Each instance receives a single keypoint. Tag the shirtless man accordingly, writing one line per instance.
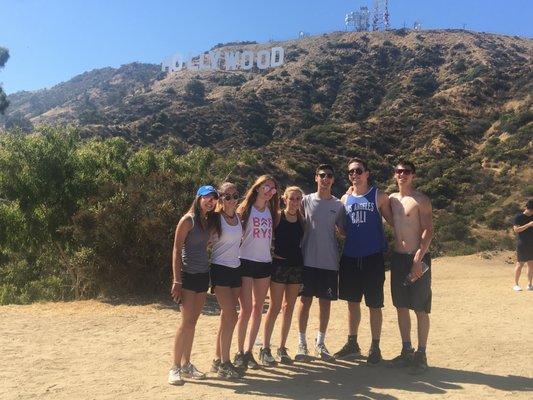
(413, 229)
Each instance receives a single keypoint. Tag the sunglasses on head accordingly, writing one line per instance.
(323, 175)
(356, 171)
(404, 171)
(267, 188)
(228, 197)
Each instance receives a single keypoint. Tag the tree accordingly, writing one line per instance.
(4, 56)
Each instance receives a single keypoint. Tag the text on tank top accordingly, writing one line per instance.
(257, 237)
(364, 226)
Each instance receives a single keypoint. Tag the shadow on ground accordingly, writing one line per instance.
(356, 380)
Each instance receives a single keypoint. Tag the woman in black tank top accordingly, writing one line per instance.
(287, 273)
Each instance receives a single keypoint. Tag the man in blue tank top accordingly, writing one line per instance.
(362, 268)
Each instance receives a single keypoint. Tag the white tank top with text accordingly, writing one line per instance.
(257, 237)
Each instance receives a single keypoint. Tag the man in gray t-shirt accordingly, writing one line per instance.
(323, 213)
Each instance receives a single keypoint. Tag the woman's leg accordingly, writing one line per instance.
(228, 318)
(197, 300)
(276, 298)
(291, 293)
(260, 289)
(245, 300)
(186, 326)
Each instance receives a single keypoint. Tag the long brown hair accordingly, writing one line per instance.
(299, 216)
(217, 226)
(196, 214)
(251, 196)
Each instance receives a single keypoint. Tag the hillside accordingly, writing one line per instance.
(457, 102)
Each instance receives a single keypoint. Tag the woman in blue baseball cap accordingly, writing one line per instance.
(190, 268)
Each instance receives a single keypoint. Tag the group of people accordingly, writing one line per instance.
(257, 245)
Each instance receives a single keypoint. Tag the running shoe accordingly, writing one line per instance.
(174, 376)
(374, 357)
(405, 359)
(529, 287)
(228, 370)
(191, 372)
(265, 357)
(240, 361)
(349, 350)
(323, 353)
(517, 288)
(250, 360)
(284, 356)
(420, 363)
(215, 365)
(302, 355)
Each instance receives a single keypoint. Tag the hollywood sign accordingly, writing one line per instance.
(227, 60)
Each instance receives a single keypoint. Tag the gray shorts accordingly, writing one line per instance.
(416, 296)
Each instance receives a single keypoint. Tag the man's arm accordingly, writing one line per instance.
(385, 208)
(522, 228)
(426, 227)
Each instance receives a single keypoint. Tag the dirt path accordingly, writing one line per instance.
(480, 347)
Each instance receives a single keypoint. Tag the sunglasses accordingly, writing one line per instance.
(400, 171)
(322, 175)
(356, 171)
(267, 188)
(228, 197)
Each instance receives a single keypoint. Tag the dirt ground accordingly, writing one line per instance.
(479, 348)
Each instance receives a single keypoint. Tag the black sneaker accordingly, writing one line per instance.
(265, 357)
(284, 356)
(420, 363)
(240, 360)
(228, 370)
(250, 360)
(215, 365)
(405, 359)
(349, 350)
(374, 356)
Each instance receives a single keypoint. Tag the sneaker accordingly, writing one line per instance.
(174, 376)
(228, 370)
(349, 350)
(250, 360)
(240, 361)
(284, 356)
(405, 359)
(265, 356)
(517, 288)
(323, 353)
(190, 371)
(530, 287)
(215, 365)
(374, 357)
(420, 363)
(302, 355)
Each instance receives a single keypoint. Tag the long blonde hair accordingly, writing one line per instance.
(286, 193)
(217, 226)
(251, 196)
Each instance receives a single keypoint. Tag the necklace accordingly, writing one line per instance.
(227, 215)
(292, 215)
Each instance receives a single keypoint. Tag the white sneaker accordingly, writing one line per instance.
(174, 376)
(517, 288)
(530, 287)
(190, 371)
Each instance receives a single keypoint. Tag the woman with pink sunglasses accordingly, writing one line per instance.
(256, 212)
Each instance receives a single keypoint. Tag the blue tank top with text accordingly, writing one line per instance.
(364, 227)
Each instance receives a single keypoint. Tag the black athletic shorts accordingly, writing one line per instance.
(416, 296)
(284, 273)
(225, 276)
(195, 282)
(362, 276)
(256, 269)
(318, 282)
(524, 253)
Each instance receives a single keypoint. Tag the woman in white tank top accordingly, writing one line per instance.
(226, 275)
(260, 204)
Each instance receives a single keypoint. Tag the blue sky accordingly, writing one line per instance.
(51, 41)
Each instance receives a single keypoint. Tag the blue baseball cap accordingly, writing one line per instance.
(205, 190)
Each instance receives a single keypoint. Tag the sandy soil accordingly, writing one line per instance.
(480, 348)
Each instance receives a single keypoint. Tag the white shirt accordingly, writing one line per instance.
(257, 238)
(226, 246)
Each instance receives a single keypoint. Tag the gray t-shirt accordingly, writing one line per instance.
(194, 252)
(319, 243)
